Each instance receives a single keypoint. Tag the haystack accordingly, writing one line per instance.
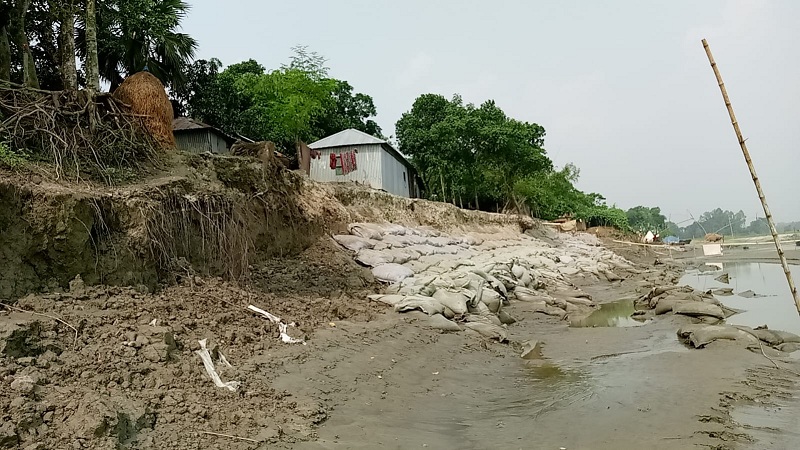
(146, 96)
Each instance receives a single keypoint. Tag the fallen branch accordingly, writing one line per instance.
(229, 436)
(61, 321)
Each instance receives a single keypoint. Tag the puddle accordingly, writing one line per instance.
(549, 373)
(614, 314)
(776, 309)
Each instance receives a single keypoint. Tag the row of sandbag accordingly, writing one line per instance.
(685, 300)
(424, 250)
(700, 335)
(709, 315)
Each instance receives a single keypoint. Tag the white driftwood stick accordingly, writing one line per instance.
(272, 318)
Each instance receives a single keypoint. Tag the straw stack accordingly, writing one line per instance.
(146, 96)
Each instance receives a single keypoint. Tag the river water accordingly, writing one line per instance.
(775, 309)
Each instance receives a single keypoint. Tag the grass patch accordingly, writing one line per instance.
(13, 159)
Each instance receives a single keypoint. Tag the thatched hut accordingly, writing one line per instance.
(146, 96)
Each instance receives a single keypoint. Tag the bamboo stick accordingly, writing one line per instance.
(756, 181)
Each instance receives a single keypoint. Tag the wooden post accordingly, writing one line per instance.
(756, 181)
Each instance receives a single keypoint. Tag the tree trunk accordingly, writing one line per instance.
(92, 65)
(5, 46)
(444, 194)
(21, 39)
(477, 205)
(5, 55)
(69, 72)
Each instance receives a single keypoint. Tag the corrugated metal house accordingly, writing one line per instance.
(197, 137)
(379, 165)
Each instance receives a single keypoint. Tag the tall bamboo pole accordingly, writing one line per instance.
(756, 181)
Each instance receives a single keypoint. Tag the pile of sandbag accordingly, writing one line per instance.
(463, 280)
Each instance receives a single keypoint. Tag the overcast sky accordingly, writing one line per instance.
(623, 88)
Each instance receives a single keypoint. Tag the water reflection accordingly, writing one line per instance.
(614, 314)
(776, 310)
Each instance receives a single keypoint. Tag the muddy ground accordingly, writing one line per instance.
(98, 364)
(368, 378)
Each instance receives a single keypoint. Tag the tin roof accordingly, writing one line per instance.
(345, 138)
(187, 123)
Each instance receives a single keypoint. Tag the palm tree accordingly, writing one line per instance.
(136, 34)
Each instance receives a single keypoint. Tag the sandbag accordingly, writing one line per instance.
(389, 299)
(685, 331)
(611, 276)
(789, 347)
(491, 299)
(476, 286)
(568, 271)
(391, 273)
(524, 294)
(401, 255)
(439, 322)
(366, 230)
(768, 336)
(787, 337)
(580, 301)
(417, 266)
(373, 258)
(488, 330)
(395, 241)
(461, 281)
(448, 313)
(423, 249)
(451, 264)
(665, 305)
(557, 302)
(353, 243)
(509, 283)
(428, 305)
(506, 318)
(483, 311)
(456, 301)
(393, 288)
(710, 333)
(723, 291)
(397, 230)
(698, 309)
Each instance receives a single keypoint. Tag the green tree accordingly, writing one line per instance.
(723, 222)
(672, 229)
(643, 219)
(346, 110)
(212, 96)
(134, 34)
(297, 101)
(466, 152)
(759, 227)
